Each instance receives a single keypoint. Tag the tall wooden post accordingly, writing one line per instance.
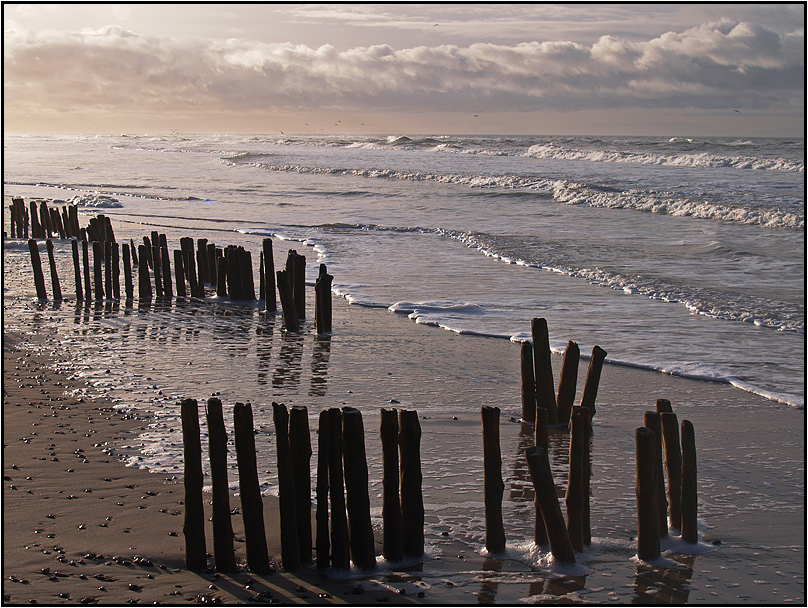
(492, 479)
(322, 301)
(202, 259)
(127, 272)
(98, 269)
(539, 465)
(528, 383)
(392, 547)
(74, 245)
(166, 266)
(673, 466)
(542, 441)
(663, 405)
(85, 259)
(144, 281)
(212, 276)
(179, 273)
(412, 498)
(252, 506)
(575, 483)
(223, 550)
(593, 380)
(340, 545)
(569, 379)
(36, 264)
(322, 542)
(57, 290)
(653, 421)
(290, 549)
(690, 530)
(269, 277)
(194, 527)
(356, 489)
(300, 460)
(647, 504)
(545, 394)
(290, 319)
(116, 271)
(108, 269)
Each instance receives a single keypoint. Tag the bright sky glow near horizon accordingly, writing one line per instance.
(499, 68)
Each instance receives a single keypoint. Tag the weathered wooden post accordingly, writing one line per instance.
(190, 268)
(673, 466)
(539, 465)
(85, 259)
(223, 550)
(252, 506)
(98, 269)
(356, 489)
(166, 266)
(412, 499)
(587, 475)
(144, 281)
(194, 527)
(340, 545)
(44, 216)
(116, 272)
(74, 245)
(323, 544)
(127, 272)
(567, 383)
(57, 290)
(36, 263)
(528, 383)
(247, 279)
(663, 405)
(322, 301)
(574, 498)
(212, 277)
(149, 258)
(221, 276)
(269, 277)
(593, 380)
(690, 530)
(647, 504)
(290, 319)
(542, 441)
(179, 273)
(296, 270)
(108, 269)
(653, 421)
(545, 394)
(300, 459)
(492, 479)
(202, 259)
(36, 228)
(134, 252)
(392, 547)
(233, 272)
(290, 549)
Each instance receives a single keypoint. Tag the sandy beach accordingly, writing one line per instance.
(79, 526)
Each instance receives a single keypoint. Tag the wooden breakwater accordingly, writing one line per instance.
(200, 270)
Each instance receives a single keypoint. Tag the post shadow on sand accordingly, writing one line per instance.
(289, 368)
(319, 365)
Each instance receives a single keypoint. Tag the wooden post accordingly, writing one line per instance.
(149, 258)
(653, 421)
(233, 272)
(57, 290)
(539, 465)
(492, 479)
(574, 498)
(300, 460)
(412, 499)
(108, 269)
(340, 544)
(690, 530)
(566, 385)
(202, 259)
(528, 383)
(663, 405)
(221, 276)
(323, 544)
(269, 277)
(36, 263)
(673, 467)
(74, 220)
(356, 489)
(127, 272)
(116, 271)
(157, 264)
(85, 259)
(290, 549)
(74, 244)
(194, 527)
(166, 266)
(392, 547)
(44, 216)
(98, 269)
(252, 506)
(223, 550)
(36, 228)
(134, 252)
(144, 281)
(247, 279)
(545, 395)
(322, 301)
(179, 273)
(290, 319)
(593, 380)
(197, 290)
(296, 272)
(542, 441)
(212, 277)
(647, 504)
(587, 475)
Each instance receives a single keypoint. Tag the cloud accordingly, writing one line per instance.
(713, 65)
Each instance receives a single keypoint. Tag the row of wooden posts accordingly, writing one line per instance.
(229, 270)
(48, 222)
(342, 482)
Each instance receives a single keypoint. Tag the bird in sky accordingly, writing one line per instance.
(738, 111)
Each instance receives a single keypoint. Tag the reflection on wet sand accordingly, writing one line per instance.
(657, 585)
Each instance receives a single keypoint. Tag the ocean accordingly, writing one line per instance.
(680, 255)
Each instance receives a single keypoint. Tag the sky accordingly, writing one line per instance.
(488, 68)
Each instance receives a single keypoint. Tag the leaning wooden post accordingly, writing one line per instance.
(57, 290)
(690, 530)
(566, 385)
(542, 441)
(647, 504)
(653, 421)
(223, 550)
(290, 549)
(492, 480)
(340, 544)
(36, 263)
(323, 544)
(574, 498)
(593, 380)
(74, 245)
(269, 277)
(98, 269)
(144, 281)
(673, 467)
(587, 476)
(134, 252)
(360, 529)
(179, 273)
(300, 460)
(539, 465)
(528, 383)
(194, 527)
(127, 272)
(545, 395)
(85, 260)
(392, 547)
(252, 506)
(290, 319)
(412, 498)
